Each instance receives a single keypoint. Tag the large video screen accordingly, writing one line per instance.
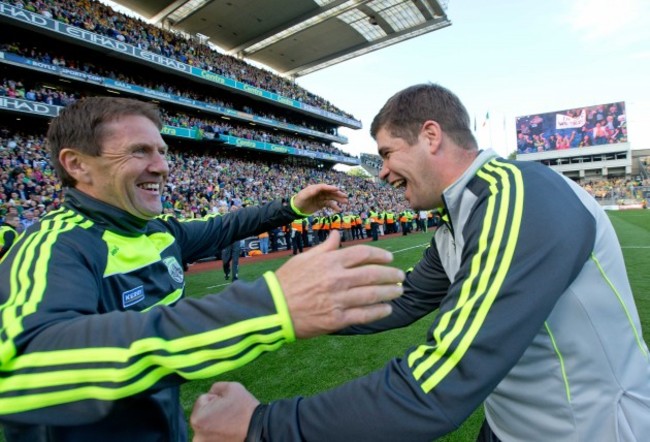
(572, 128)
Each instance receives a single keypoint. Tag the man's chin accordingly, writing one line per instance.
(413, 205)
(148, 214)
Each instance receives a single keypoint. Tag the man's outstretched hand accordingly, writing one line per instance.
(318, 196)
(328, 288)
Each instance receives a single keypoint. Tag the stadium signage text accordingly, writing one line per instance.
(253, 90)
(564, 121)
(212, 77)
(23, 15)
(29, 107)
(81, 75)
(285, 101)
(123, 85)
(156, 93)
(91, 37)
(181, 132)
(245, 143)
(164, 61)
(40, 65)
(251, 144)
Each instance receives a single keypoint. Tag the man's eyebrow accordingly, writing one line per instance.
(149, 146)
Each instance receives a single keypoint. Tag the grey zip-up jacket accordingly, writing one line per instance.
(536, 319)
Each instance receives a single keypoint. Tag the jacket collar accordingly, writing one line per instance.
(103, 214)
(452, 194)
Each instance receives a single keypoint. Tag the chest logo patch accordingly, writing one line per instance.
(174, 268)
(133, 296)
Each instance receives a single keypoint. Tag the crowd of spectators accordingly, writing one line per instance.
(581, 127)
(248, 132)
(29, 187)
(96, 17)
(48, 54)
(372, 161)
(58, 96)
(199, 182)
(48, 95)
(616, 189)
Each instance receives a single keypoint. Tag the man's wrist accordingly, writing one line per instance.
(256, 425)
(296, 209)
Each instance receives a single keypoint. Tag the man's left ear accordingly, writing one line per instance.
(74, 162)
(433, 133)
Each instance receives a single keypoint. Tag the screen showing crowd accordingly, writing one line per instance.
(567, 129)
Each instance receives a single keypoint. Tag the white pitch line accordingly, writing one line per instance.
(218, 285)
(414, 247)
(426, 244)
(396, 251)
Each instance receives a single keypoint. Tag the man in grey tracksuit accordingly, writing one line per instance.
(539, 324)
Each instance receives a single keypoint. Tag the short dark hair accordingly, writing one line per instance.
(406, 111)
(81, 126)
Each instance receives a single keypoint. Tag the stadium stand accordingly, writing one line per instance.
(226, 145)
(95, 17)
(372, 163)
(237, 134)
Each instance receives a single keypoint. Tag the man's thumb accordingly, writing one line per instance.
(332, 242)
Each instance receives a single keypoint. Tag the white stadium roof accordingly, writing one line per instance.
(296, 37)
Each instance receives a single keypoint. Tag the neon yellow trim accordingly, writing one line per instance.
(297, 210)
(257, 344)
(485, 294)
(122, 355)
(36, 401)
(620, 300)
(6, 230)
(561, 359)
(167, 300)
(200, 220)
(178, 362)
(464, 294)
(465, 304)
(126, 254)
(281, 305)
(29, 290)
(54, 215)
